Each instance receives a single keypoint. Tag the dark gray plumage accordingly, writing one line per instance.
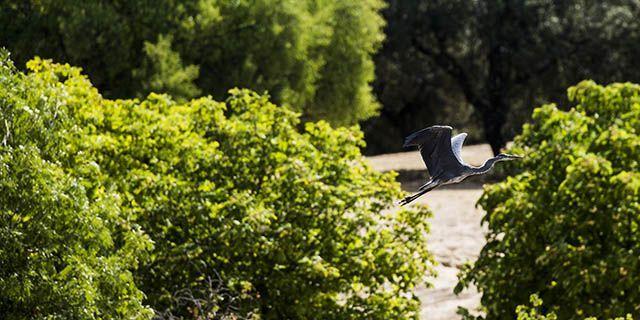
(443, 157)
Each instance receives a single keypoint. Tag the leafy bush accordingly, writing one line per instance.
(567, 225)
(296, 224)
(67, 251)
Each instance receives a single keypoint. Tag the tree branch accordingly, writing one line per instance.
(453, 68)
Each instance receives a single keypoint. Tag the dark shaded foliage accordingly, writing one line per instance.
(499, 58)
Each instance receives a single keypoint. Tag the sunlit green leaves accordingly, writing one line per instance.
(292, 220)
(68, 251)
(566, 226)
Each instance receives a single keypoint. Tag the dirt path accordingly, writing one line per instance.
(456, 237)
(456, 234)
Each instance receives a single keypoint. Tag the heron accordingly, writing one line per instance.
(443, 157)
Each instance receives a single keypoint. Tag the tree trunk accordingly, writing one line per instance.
(493, 120)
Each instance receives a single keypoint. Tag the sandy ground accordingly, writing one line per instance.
(456, 234)
(456, 237)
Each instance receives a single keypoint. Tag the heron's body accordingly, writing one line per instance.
(442, 155)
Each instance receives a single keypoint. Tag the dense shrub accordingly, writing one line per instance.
(67, 251)
(295, 224)
(567, 225)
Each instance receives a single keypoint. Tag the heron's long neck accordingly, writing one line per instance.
(485, 167)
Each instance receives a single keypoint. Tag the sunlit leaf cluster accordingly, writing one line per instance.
(68, 249)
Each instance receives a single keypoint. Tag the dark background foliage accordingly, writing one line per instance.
(484, 64)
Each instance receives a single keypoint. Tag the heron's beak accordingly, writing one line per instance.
(513, 156)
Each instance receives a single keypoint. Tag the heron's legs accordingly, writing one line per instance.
(426, 188)
(426, 185)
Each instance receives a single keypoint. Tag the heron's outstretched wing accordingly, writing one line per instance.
(434, 144)
(456, 146)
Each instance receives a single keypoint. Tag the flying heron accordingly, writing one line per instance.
(442, 155)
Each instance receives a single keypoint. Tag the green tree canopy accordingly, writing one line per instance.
(294, 224)
(311, 55)
(499, 57)
(566, 226)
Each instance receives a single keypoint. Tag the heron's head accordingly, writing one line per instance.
(507, 157)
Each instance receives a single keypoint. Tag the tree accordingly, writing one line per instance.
(294, 222)
(566, 225)
(500, 57)
(312, 55)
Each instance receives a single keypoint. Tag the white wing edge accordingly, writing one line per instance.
(456, 146)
